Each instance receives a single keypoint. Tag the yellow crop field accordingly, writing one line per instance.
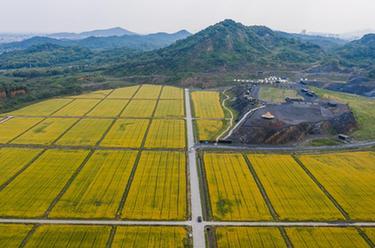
(170, 92)
(293, 194)
(87, 132)
(207, 104)
(158, 190)
(124, 93)
(139, 108)
(166, 134)
(44, 108)
(249, 237)
(69, 236)
(15, 127)
(13, 160)
(325, 237)
(12, 235)
(99, 94)
(46, 132)
(349, 177)
(108, 108)
(98, 189)
(126, 133)
(170, 109)
(370, 232)
(31, 193)
(79, 107)
(233, 192)
(148, 92)
(150, 236)
(209, 129)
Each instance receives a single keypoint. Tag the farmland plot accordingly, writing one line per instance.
(31, 193)
(108, 108)
(15, 127)
(44, 108)
(69, 236)
(233, 192)
(126, 133)
(99, 94)
(139, 108)
(325, 237)
(148, 92)
(293, 194)
(97, 190)
(170, 92)
(79, 107)
(158, 190)
(170, 109)
(46, 132)
(166, 134)
(249, 237)
(13, 160)
(12, 235)
(124, 93)
(350, 178)
(370, 232)
(150, 236)
(207, 104)
(87, 132)
(209, 129)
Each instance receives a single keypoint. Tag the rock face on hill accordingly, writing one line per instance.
(294, 122)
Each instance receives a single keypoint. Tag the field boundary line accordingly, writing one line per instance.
(135, 165)
(65, 131)
(365, 237)
(285, 236)
(111, 236)
(261, 188)
(323, 189)
(207, 208)
(27, 130)
(10, 180)
(29, 235)
(68, 183)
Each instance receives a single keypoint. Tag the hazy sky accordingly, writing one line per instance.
(146, 16)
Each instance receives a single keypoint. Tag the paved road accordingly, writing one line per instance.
(185, 223)
(227, 97)
(196, 204)
(5, 119)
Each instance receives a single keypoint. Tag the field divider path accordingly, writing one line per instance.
(195, 196)
(266, 198)
(29, 235)
(333, 200)
(131, 177)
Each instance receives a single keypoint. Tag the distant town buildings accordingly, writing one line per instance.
(268, 80)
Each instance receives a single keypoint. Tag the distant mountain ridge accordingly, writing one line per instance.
(117, 31)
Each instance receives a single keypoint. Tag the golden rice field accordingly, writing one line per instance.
(207, 104)
(370, 232)
(46, 132)
(87, 132)
(31, 193)
(12, 160)
(238, 237)
(108, 108)
(78, 107)
(12, 235)
(209, 129)
(232, 189)
(170, 109)
(150, 236)
(325, 237)
(124, 93)
(349, 178)
(15, 127)
(139, 108)
(170, 92)
(166, 134)
(98, 188)
(126, 133)
(158, 189)
(293, 194)
(44, 108)
(69, 236)
(148, 92)
(99, 94)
